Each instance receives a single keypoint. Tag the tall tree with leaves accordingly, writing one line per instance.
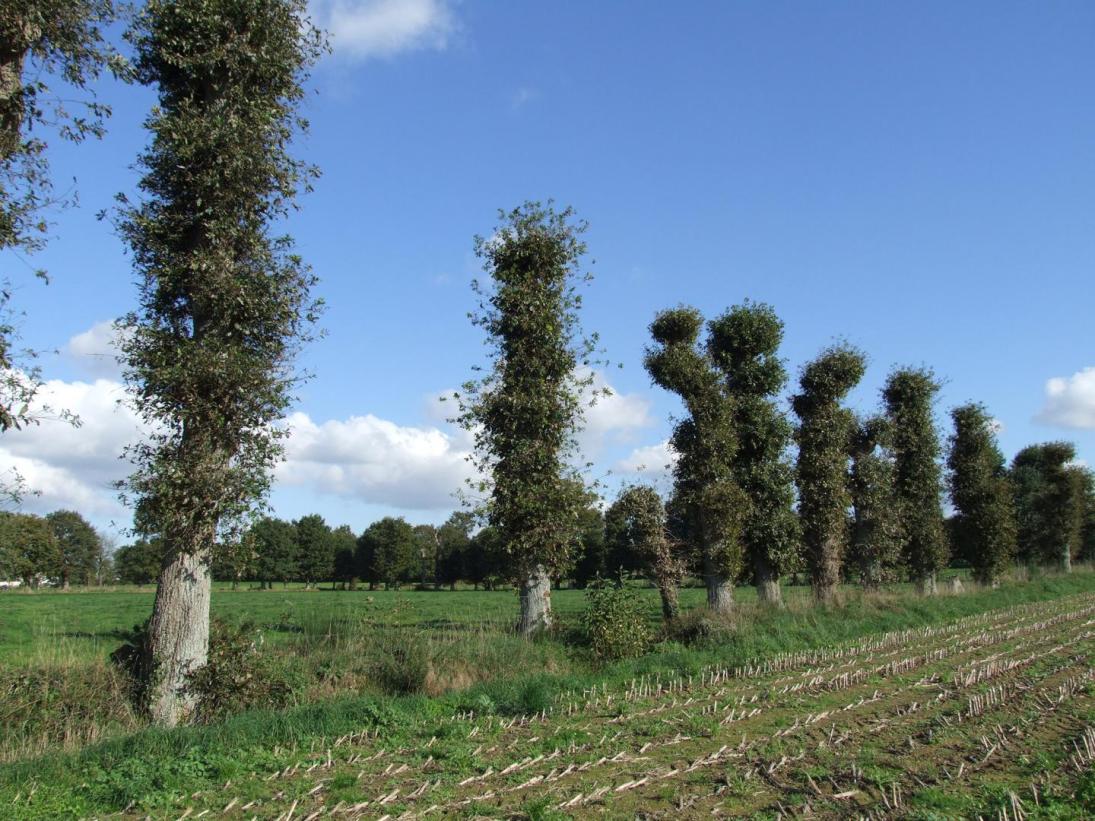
(28, 549)
(876, 528)
(824, 438)
(1046, 501)
(527, 409)
(635, 525)
(453, 538)
(708, 504)
(79, 544)
(743, 344)
(315, 549)
(277, 558)
(981, 493)
(224, 304)
(918, 477)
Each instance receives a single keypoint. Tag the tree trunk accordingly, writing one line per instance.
(670, 606)
(720, 590)
(768, 589)
(1066, 557)
(825, 573)
(178, 635)
(535, 602)
(927, 584)
(872, 574)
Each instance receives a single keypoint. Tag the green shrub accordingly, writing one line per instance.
(401, 662)
(615, 624)
(238, 675)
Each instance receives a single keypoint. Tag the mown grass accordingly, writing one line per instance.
(501, 674)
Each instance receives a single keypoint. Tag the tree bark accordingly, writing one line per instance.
(670, 605)
(178, 634)
(825, 573)
(927, 585)
(535, 602)
(768, 589)
(1066, 557)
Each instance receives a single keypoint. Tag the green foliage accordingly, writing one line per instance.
(981, 493)
(876, 529)
(400, 664)
(140, 562)
(315, 548)
(277, 558)
(389, 552)
(525, 411)
(908, 395)
(824, 438)
(743, 343)
(223, 304)
(635, 527)
(615, 626)
(29, 549)
(1046, 502)
(708, 505)
(345, 555)
(237, 675)
(453, 538)
(595, 559)
(80, 546)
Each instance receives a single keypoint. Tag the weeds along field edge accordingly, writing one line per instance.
(152, 769)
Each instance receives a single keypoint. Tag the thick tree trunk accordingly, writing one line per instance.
(670, 606)
(178, 635)
(927, 584)
(1066, 558)
(768, 589)
(872, 575)
(826, 570)
(535, 602)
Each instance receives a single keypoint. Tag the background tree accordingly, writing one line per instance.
(876, 528)
(453, 538)
(276, 554)
(486, 559)
(426, 548)
(28, 549)
(591, 559)
(824, 438)
(635, 525)
(743, 343)
(1045, 502)
(918, 481)
(985, 523)
(525, 412)
(344, 563)
(393, 549)
(140, 562)
(709, 506)
(224, 305)
(315, 549)
(79, 544)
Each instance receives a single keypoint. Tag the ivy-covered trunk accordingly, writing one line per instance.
(720, 590)
(535, 602)
(178, 634)
(669, 593)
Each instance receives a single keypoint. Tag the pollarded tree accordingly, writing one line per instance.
(709, 506)
(743, 343)
(635, 525)
(876, 528)
(224, 304)
(981, 494)
(918, 477)
(1045, 502)
(79, 544)
(526, 411)
(824, 438)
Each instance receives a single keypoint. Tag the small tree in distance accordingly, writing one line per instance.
(876, 528)
(635, 524)
(1046, 501)
(981, 494)
(824, 439)
(918, 481)
(524, 413)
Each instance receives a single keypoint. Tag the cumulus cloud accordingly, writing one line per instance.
(1070, 401)
(614, 418)
(364, 29)
(650, 462)
(95, 351)
(375, 461)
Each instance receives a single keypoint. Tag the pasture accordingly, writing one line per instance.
(884, 706)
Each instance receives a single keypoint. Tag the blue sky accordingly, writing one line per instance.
(918, 179)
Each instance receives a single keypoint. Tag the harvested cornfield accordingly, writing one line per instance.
(986, 716)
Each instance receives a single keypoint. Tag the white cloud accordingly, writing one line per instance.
(1070, 401)
(95, 351)
(650, 462)
(384, 28)
(613, 418)
(375, 461)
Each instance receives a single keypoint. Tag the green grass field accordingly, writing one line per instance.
(986, 696)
